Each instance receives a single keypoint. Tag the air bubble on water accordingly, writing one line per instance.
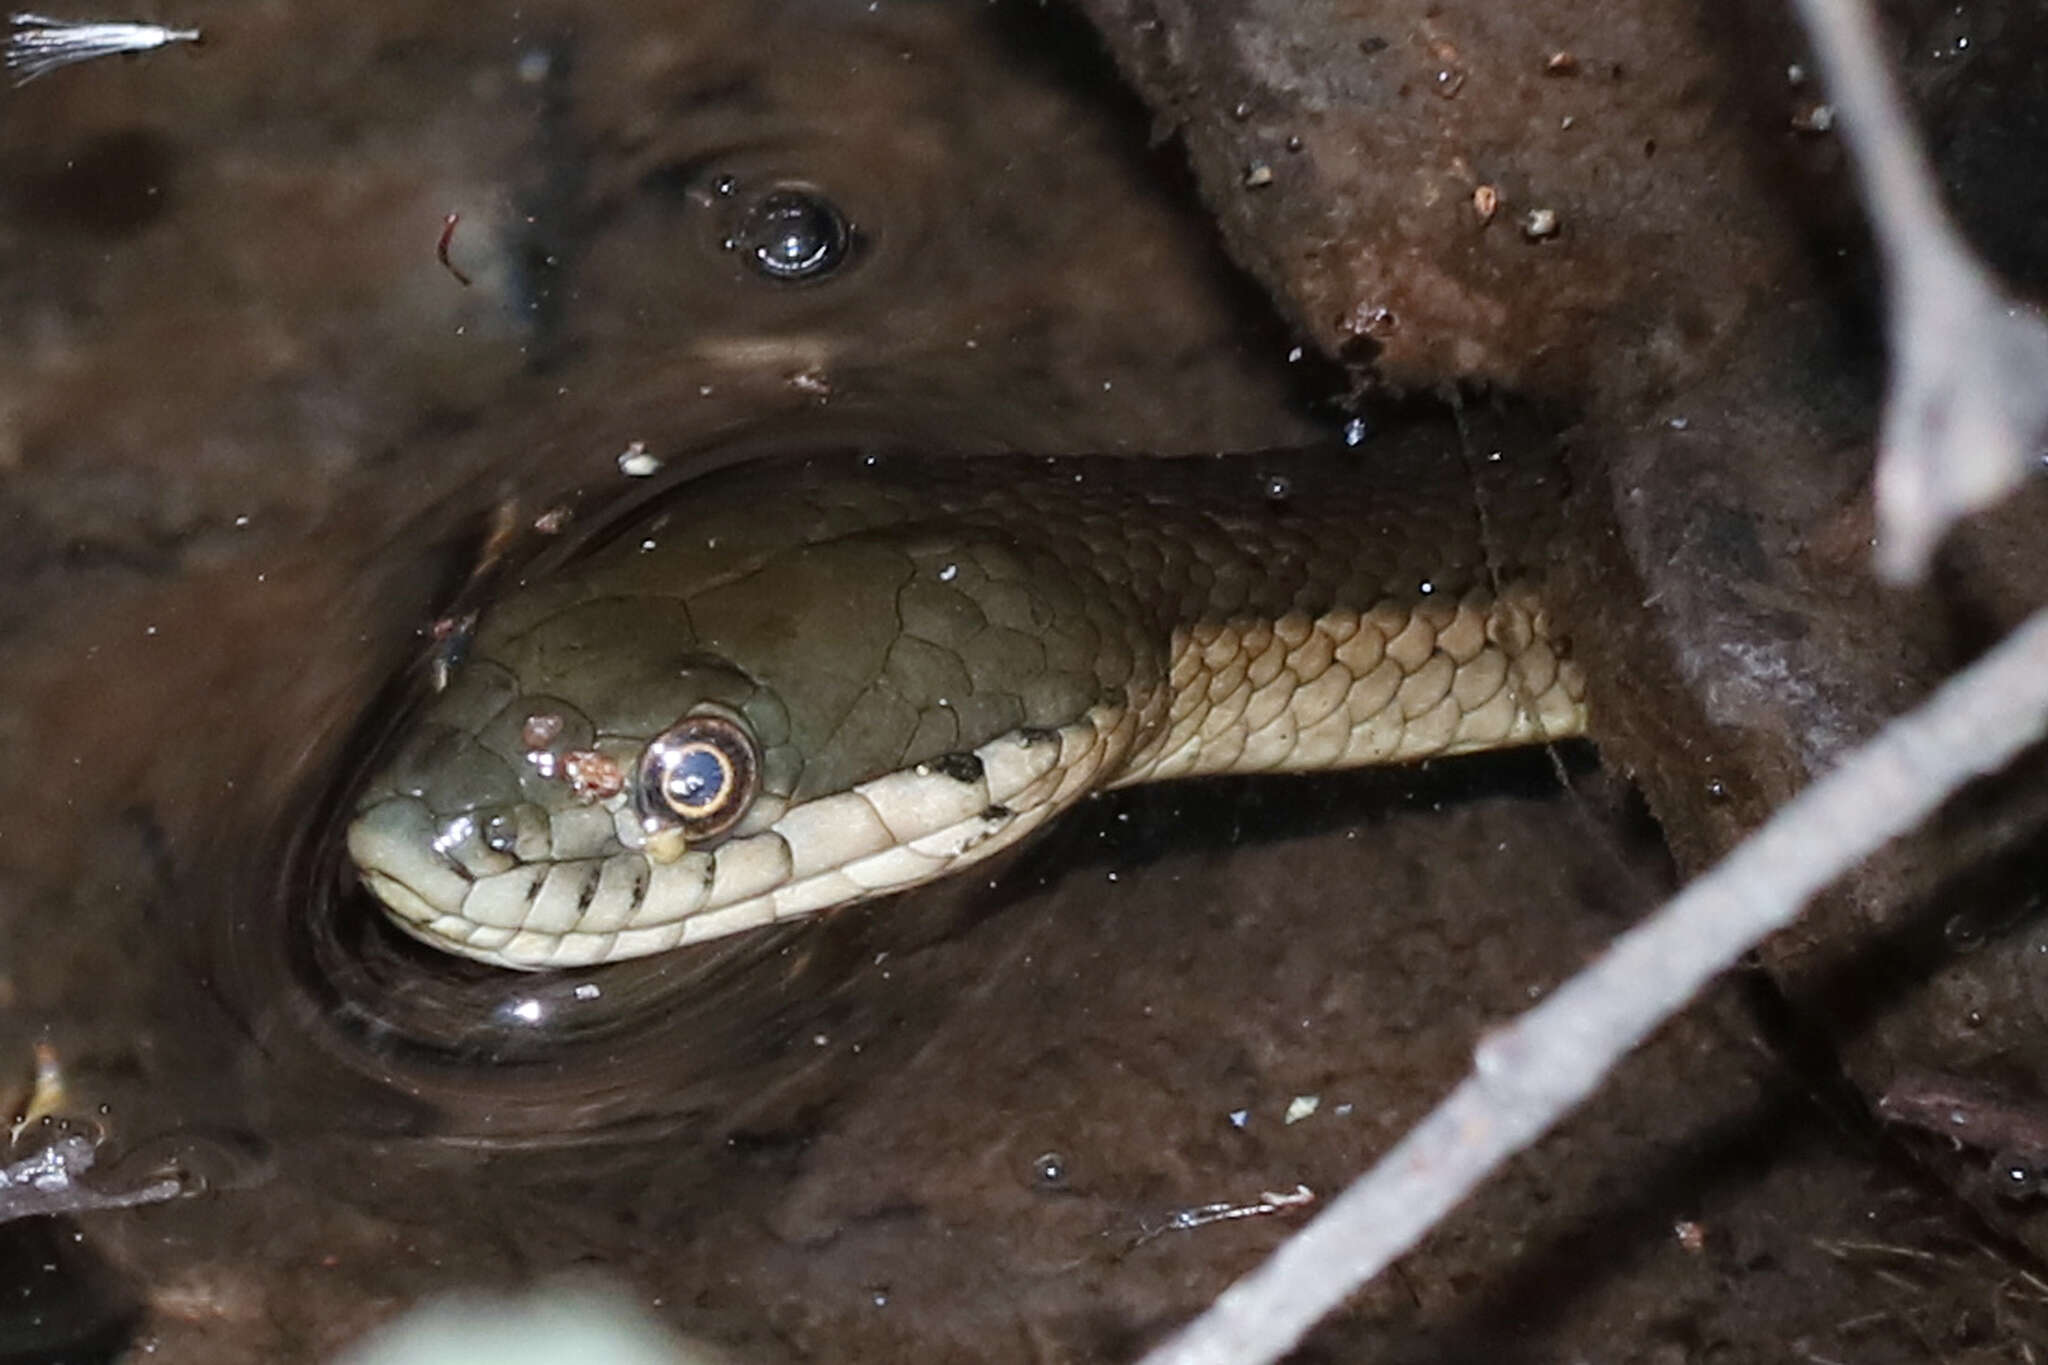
(792, 235)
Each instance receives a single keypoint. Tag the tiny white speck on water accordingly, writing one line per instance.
(1240, 1117)
(949, 573)
(636, 463)
(1354, 431)
(589, 990)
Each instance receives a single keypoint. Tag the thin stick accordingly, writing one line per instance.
(1529, 1075)
(1967, 408)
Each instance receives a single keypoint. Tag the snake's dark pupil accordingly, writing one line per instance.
(792, 235)
(696, 780)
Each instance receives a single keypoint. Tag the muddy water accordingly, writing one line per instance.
(254, 433)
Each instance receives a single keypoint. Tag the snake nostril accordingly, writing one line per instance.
(493, 839)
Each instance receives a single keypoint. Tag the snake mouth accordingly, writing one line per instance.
(529, 916)
(881, 836)
(394, 849)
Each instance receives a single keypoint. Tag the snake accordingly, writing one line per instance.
(800, 683)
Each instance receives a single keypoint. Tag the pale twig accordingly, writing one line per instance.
(1529, 1075)
(38, 44)
(1968, 404)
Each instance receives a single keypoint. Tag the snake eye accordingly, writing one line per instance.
(700, 773)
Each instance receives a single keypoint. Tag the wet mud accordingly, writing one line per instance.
(254, 437)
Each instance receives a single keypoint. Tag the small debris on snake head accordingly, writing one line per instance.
(451, 636)
(541, 729)
(592, 776)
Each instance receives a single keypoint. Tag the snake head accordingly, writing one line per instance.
(814, 694)
(538, 806)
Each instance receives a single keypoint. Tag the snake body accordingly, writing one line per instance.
(803, 683)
